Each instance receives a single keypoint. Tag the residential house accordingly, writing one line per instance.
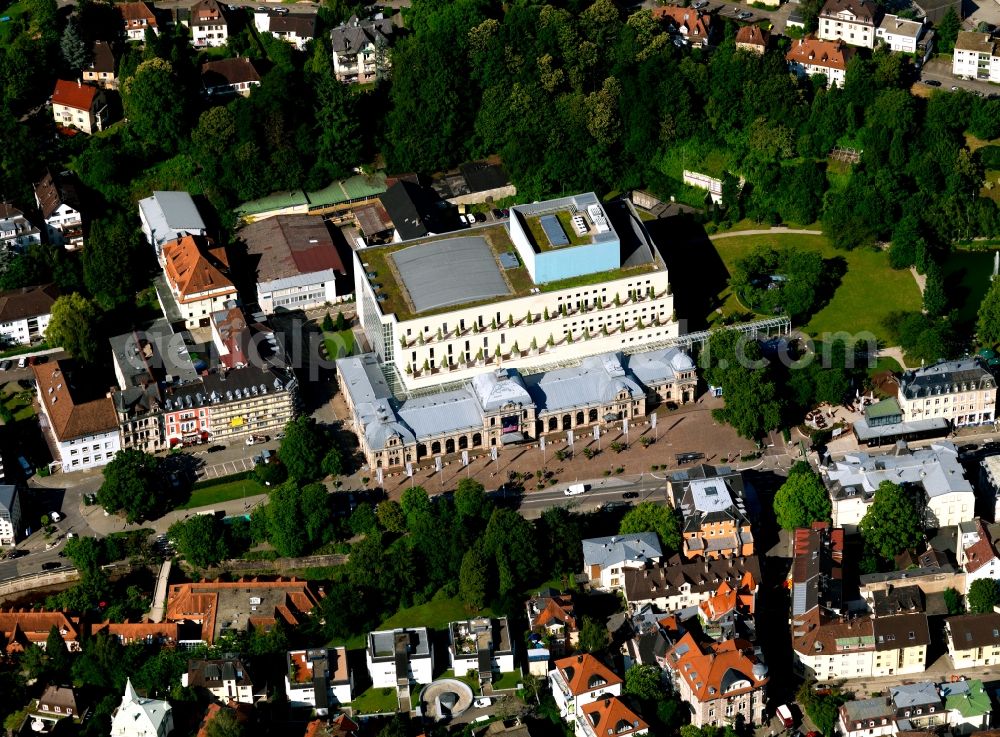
(411, 209)
(648, 636)
(225, 678)
(973, 639)
(137, 17)
(752, 38)
(20, 629)
(854, 22)
(374, 223)
(10, 514)
(608, 716)
(688, 26)
(678, 583)
(209, 24)
(140, 717)
(82, 427)
(989, 482)
(919, 706)
(168, 216)
(580, 680)
(196, 271)
(720, 681)
(923, 707)
(319, 679)
(605, 559)
(340, 726)
(361, 49)
(25, 314)
(977, 553)
(481, 646)
(16, 232)
(296, 263)
(810, 56)
(298, 29)
(80, 106)
(711, 502)
(874, 717)
(902, 34)
(57, 702)
(963, 392)
(102, 70)
(400, 658)
(229, 76)
(554, 626)
(968, 705)
(933, 474)
(59, 203)
(249, 603)
(975, 57)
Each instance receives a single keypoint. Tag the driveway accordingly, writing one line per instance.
(940, 70)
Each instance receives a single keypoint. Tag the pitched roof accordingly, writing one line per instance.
(982, 552)
(718, 669)
(228, 72)
(373, 219)
(8, 493)
(610, 716)
(70, 418)
(811, 51)
(208, 12)
(286, 246)
(691, 23)
(864, 10)
(21, 628)
(901, 631)
(340, 726)
(583, 673)
(697, 576)
(609, 551)
(18, 304)
(402, 201)
(103, 59)
(55, 190)
(216, 672)
(974, 630)
(973, 41)
(62, 696)
(354, 35)
(301, 24)
(138, 715)
(752, 35)
(137, 11)
(195, 264)
(559, 609)
(74, 94)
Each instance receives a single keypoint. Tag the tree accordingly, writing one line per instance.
(59, 659)
(327, 324)
(935, 299)
(988, 323)
(303, 449)
(822, 708)
(802, 499)
(947, 31)
(593, 636)
(510, 540)
(363, 520)
(398, 726)
(296, 520)
(73, 47)
(415, 504)
(333, 462)
(643, 682)
(133, 483)
(473, 580)
(110, 262)
(953, 601)
(652, 517)
(200, 539)
(72, 327)
(224, 724)
(736, 363)
(893, 522)
(984, 594)
(471, 501)
(390, 516)
(155, 104)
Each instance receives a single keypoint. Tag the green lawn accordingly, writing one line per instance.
(13, 12)
(508, 680)
(223, 493)
(376, 701)
(435, 614)
(869, 291)
(17, 401)
(885, 363)
(339, 344)
(470, 681)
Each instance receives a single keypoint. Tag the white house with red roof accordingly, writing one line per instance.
(80, 106)
(609, 716)
(580, 680)
(977, 553)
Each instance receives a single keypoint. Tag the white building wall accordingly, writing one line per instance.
(92, 451)
(19, 332)
(569, 704)
(212, 35)
(948, 510)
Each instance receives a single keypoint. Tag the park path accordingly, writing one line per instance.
(765, 231)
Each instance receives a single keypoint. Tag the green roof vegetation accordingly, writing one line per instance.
(541, 240)
(275, 201)
(886, 408)
(972, 704)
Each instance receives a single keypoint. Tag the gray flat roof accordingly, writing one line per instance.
(169, 213)
(472, 270)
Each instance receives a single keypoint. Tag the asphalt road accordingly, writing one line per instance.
(940, 70)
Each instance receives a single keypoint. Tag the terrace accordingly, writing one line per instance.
(548, 240)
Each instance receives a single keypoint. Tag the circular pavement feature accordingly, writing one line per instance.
(447, 697)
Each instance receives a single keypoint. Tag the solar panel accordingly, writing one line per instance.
(554, 230)
(508, 260)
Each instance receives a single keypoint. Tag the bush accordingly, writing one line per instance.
(990, 156)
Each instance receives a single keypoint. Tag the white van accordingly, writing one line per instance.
(576, 489)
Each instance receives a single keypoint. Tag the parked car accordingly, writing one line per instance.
(22, 362)
(51, 565)
(281, 11)
(251, 439)
(216, 448)
(745, 15)
(954, 88)
(4, 365)
(700, 4)
(784, 713)
(630, 495)
(469, 218)
(55, 516)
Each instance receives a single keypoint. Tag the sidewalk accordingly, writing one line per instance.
(103, 524)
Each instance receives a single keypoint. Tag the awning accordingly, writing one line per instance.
(610, 417)
(512, 437)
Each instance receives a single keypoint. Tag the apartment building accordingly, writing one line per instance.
(580, 680)
(957, 707)
(58, 200)
(989, 481)
(294, 28)
(137, 18)
(904, 35)
(10, 515)
(196, 270)
(721, 681)
(209, 24)
(679, 583)
(977, 553)
(481, 646)
(141, 717)
(361, 49)
(227, 679)
(963, 392)
(855, 22)
(25, 314)
(711, 501)
(80, 106)
(319, 678)
(16, 231)
(80, 426)
(443, 309)
(400, 657)
(932, 474)
(812, 56)
(605, 559)
(973, 639)
(975, 57)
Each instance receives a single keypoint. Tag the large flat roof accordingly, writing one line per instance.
(473, 273)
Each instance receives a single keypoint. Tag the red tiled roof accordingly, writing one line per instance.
(696, 25)
(711, 671)
(583, 673)
(137, 11)
(610, 716)
(811, 51)
(69, 418)
(752, 35)
(981, 552)
(194, 264)
(74, 95)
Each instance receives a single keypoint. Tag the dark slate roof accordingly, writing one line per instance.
(402, 202)
(7, 494)
(967, 374)
(356, 34)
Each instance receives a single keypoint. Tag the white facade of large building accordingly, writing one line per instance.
(900, 34)
(139, 717)
(505, 294)
(852, 21)
(963, 392)
(10, 514)
(400, 655)
(975, 57)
